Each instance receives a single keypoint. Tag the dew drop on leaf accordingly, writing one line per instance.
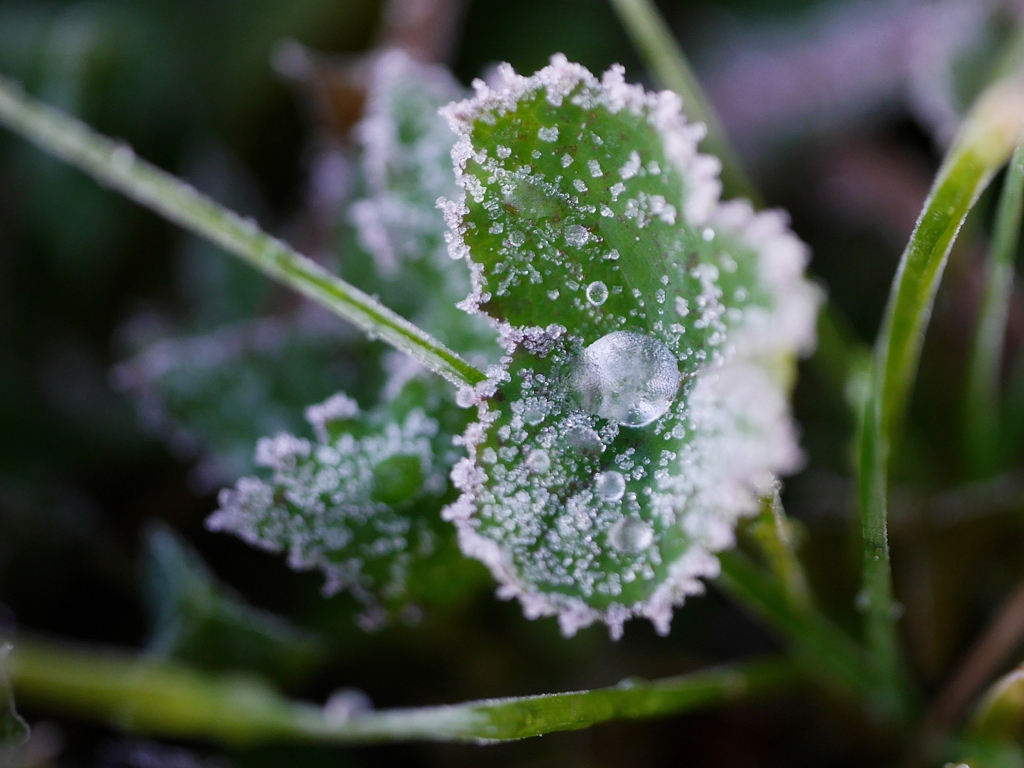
(597, 293)
(610, 485)
(628, 377)
(630, 536)
(582, 439)
(576, 235)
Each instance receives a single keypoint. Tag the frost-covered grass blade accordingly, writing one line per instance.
(649, 332)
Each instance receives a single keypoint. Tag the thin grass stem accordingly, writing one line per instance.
(115, 165)
(990, 133)
(162, 698)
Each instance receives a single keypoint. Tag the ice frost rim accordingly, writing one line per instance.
(759, 353)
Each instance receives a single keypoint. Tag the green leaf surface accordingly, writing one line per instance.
(649, 333)
(198, 620)
(361, 502)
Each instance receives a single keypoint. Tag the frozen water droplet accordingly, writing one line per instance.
(597, 293)
(577, 235)
(628, 377)
(610, 485)
(631, 535)
(583, 439)
(534, 413)
(539, 461)
(548, 134)
(517, 238)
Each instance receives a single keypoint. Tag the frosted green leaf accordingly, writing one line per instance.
(649, 333)
(360, 502)
(215, 394)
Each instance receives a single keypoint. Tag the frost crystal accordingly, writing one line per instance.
(649, 333)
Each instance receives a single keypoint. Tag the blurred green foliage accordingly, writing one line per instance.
(86, 280)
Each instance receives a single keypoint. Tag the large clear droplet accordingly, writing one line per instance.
(628, 377)
(631, 536)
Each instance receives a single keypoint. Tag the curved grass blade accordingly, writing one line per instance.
(989, 135)
(117, 166)
(166, 699)
(983, 390)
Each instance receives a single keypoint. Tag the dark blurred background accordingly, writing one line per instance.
(841, 111)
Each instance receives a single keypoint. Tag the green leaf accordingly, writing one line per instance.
(649, 332)
(198, 620)
(361, 502)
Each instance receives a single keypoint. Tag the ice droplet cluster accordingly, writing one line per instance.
(649, 332)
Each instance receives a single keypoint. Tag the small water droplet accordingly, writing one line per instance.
(610, 485)
(628, 377)
(631, 535)
(538, 461)
(517, 238)
(577, 235)
(597, 293)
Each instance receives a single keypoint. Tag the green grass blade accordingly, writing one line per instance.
(990, 133)
(822, 650)
(116, 166)
(983, 390)
(665, 59)
(166, 699)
